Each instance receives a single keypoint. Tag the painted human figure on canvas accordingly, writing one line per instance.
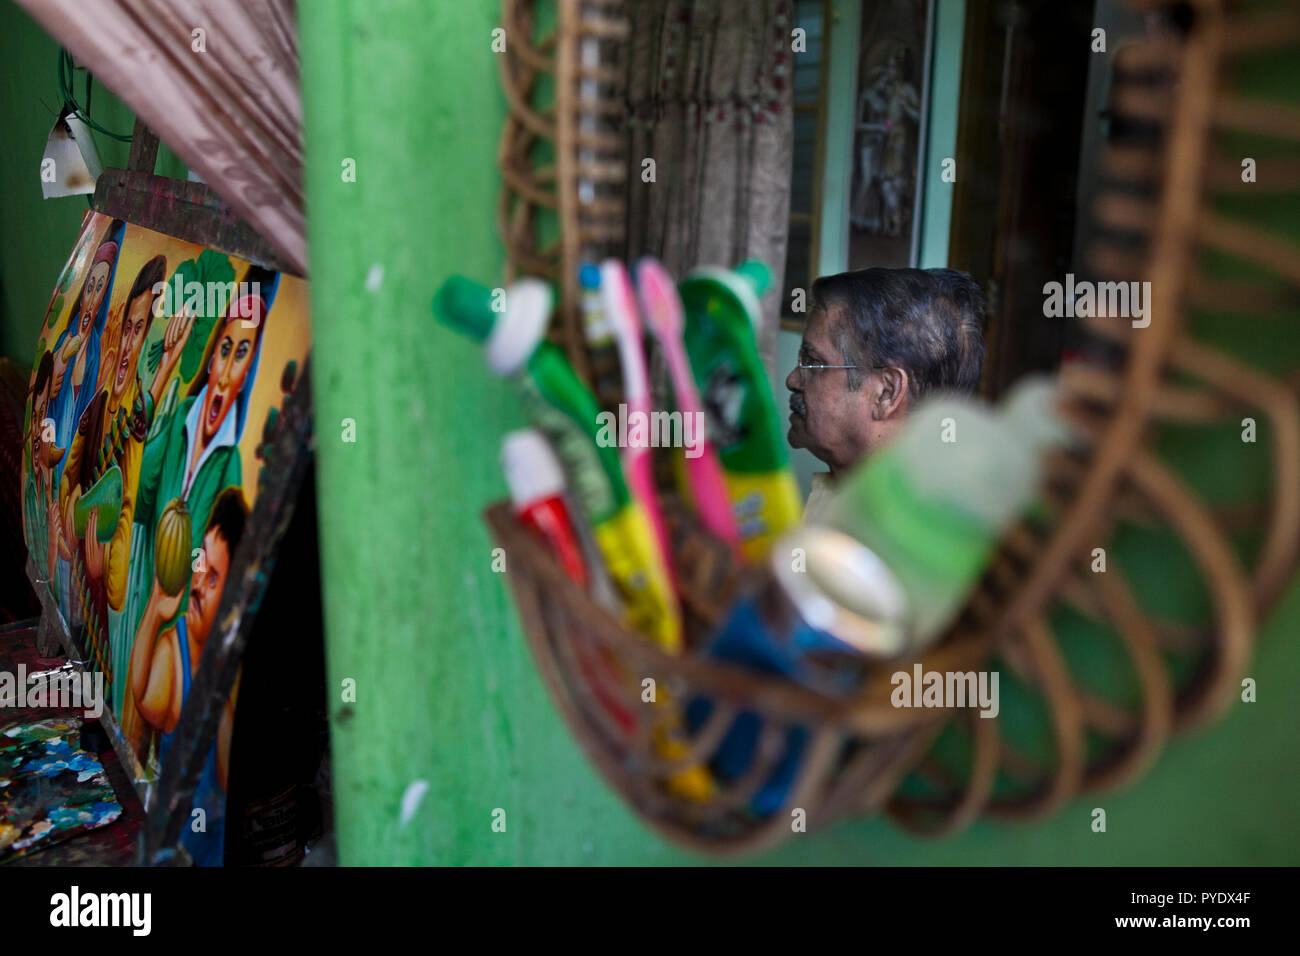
(192, 457)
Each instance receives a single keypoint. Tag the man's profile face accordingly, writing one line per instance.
(826, 416)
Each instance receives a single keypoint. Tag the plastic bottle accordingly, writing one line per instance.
(895, 556)
(932, 504)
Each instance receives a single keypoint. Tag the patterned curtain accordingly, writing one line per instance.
(710, 101)
(225, 99)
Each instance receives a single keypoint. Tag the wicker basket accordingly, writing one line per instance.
(857, 752)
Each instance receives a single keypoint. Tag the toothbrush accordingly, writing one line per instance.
(694, 781)
(662, 308)
(621, 307)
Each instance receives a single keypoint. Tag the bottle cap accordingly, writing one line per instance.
(509, 338)
(531, 469)
(756, 274)
(521, 328)
(589, 276)
(466, 306)
(742, 285)
(1030, 409)
(844, 590)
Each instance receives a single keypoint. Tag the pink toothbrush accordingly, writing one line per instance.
(620, 306)
(663, 312)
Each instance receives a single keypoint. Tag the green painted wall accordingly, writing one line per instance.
(37, 233)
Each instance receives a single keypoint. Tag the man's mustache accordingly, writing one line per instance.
(797, 405)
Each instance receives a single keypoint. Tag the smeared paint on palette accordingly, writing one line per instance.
(50, 789)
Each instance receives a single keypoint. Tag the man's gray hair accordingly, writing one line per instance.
(929, 322)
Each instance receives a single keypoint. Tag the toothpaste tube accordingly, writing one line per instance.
(566, 412)
(721, 312)
(536, 485)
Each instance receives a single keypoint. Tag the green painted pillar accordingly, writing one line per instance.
(445, 689)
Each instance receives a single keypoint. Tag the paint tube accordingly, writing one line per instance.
(721, 313)
(565, 411)
(620, 307)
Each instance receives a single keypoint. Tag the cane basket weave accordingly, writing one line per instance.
(1159, 206)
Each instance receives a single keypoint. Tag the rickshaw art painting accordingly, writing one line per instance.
(161, 367)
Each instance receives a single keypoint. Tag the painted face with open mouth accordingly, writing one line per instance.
(92, 294)
(228, 368)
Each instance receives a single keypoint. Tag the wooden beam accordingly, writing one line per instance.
(144, 149)
(189, 211)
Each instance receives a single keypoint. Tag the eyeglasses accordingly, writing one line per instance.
(802, 362)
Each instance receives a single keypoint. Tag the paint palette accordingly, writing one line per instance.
(50, 789)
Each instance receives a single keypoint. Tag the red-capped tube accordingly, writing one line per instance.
(536, 484)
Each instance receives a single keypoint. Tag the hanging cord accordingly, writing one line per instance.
(66, 79)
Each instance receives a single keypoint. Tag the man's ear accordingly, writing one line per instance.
(891, 399)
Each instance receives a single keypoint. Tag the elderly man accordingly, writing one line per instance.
(878, 341)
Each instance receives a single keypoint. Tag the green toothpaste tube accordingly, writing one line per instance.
(566, 412)
(721, 308)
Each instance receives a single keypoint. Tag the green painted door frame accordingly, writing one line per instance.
(941, 131)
